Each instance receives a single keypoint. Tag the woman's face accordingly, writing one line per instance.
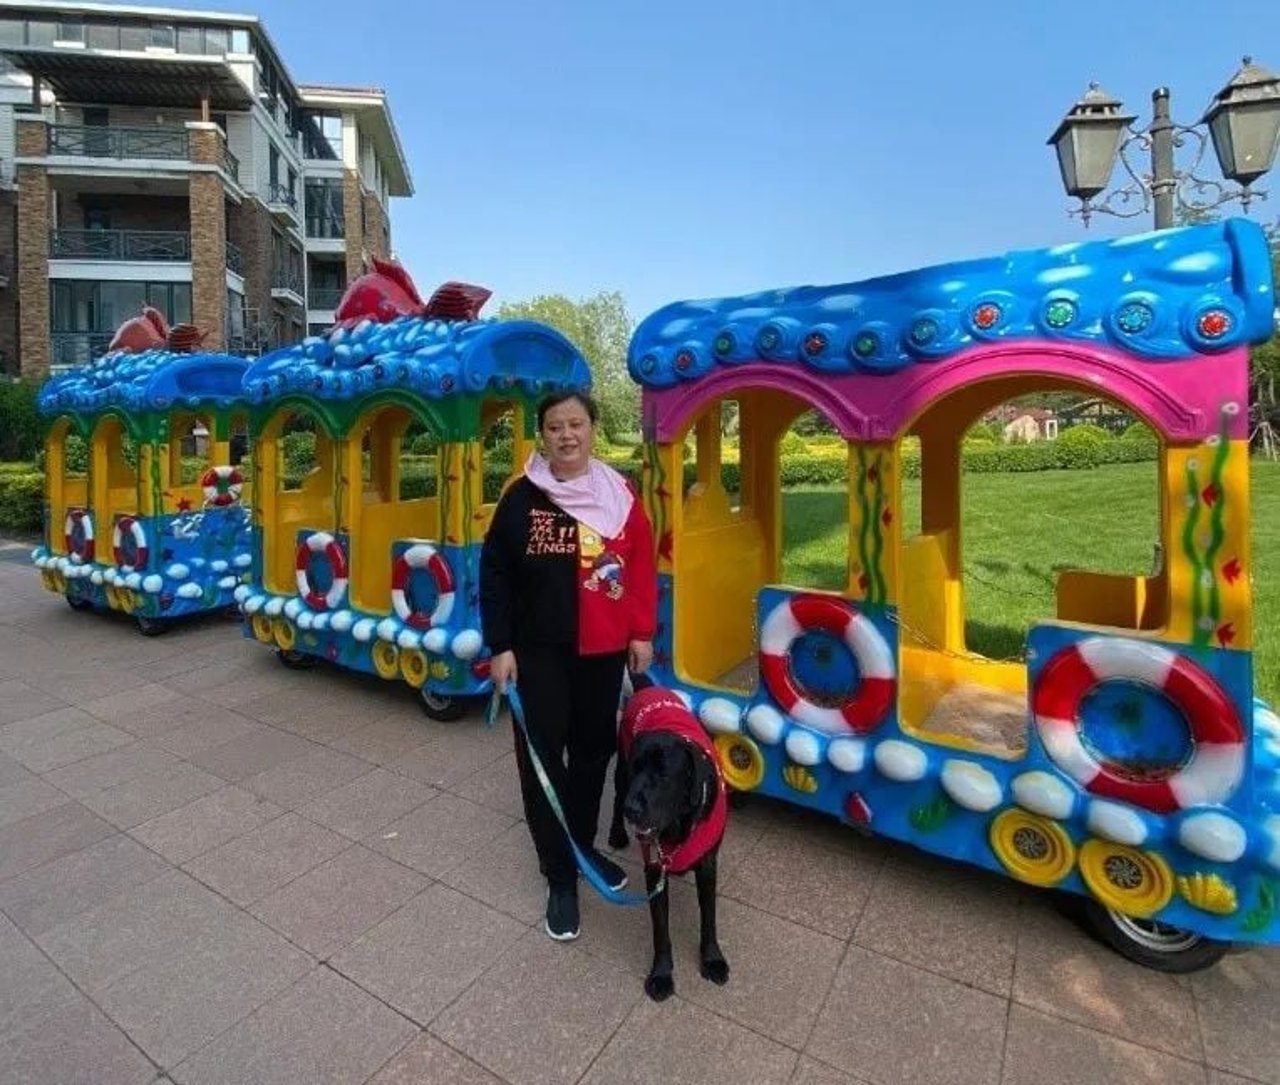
(567, 436)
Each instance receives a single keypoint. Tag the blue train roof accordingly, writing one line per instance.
(435, 358)
(1161, 296)
(153, 380)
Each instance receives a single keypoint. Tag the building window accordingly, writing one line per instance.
(71, 30)
(40, 32)
(134, 38)
(83, 305)
(240, 41)
(191, 40)
(163, 36)
(324, 208)
(103, 36)
(215, 40)
(97, 218)
(13, 32)
(273, 166)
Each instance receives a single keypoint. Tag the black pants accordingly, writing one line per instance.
(571, 707)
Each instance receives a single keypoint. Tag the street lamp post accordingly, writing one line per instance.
(1243, 123)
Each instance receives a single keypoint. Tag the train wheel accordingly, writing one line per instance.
(295, 660)
(150, 627)
(441, 708)
(1151, 944)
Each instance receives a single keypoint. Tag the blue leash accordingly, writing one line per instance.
(593, 876)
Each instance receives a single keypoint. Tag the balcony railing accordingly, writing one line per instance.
(326, 227)
(119, 245)
(325, 297)
(232, 164)
(235, 259)
(109, 141)
(78, 348)
(282, 194)
(283, 279)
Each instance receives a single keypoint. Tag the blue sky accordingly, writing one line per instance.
(713, 147)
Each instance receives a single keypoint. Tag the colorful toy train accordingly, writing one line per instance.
(1124, 760)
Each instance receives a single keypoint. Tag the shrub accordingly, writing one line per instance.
(1143, 436)
(21, 501)
(19, 420)
(985, 432)
(299, 453)
(792, 444)
(424, 444)
(1082, 446)
(76, 450)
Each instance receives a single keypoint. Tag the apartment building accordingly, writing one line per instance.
(167, 157)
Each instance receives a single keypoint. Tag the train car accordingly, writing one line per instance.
(370, 468)
(1121, 756)
(145, 499)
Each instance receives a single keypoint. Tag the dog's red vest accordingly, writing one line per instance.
(658, 709)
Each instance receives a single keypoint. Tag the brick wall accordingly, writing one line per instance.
(127, 212)
(352, 202)
(33, 251)
(9, 294)
(375, 241)
(33, 137)
(251, 233)
(208, 239)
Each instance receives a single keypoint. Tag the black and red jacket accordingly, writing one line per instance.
(548, 580)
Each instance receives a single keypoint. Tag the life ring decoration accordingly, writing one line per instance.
(422, 556)
(321, 543)
(222, 486)
(77, 529)
(128, 531)
(1216, 764)
(875, 686)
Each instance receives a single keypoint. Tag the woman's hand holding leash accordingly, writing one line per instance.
(502, 671)
(639, 656)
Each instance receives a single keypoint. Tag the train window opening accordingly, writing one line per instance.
(302, 495)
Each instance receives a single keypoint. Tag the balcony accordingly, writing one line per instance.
(282, 200)
(77, 348)
(325, 298)
(231, 164)
(131, 245)
(287, 286)
(109, 141)
(235, 259)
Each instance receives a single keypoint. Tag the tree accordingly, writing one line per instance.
(1264, 372)
(601, 328)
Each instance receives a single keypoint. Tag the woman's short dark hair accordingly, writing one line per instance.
(556, 398)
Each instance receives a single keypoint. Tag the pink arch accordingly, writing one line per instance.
(1183, 400)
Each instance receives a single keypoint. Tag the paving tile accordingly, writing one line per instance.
(19, 701)
(75, 1045)
(60, 890)
(11, 771)
(451, 756)
(946, 918)
(146, 797)
(896, 1024)
(779, 971)
(383, 740)
(334, 904)
(825, 890)
(428, 1060)
(82, 682)
(295, 783)
(261, 861)
(122, 707)
(57, 738)
(540, 1015)
(439, 835)
(496, 786)
(33, 988)
(1217, 1077)
(696, 1046)
(25, 797)
(504, 875)
(367, 803)
(1044, 1049)
(205, 729)
(106, 770)
(323, 1031)
(251, 754)
(173, 964)
(205, 824)
(1238, 1001)
(1063, 972)
(810, 1072)
(422, 957)
(37, 839)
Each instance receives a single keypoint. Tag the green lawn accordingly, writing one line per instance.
(1021, 530)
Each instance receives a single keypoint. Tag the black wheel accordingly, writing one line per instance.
(1151, 944)
(79, 604)
(441, 708)
(151, 627)
(295, 660)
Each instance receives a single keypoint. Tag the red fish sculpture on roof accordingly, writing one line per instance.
(151, 331)
(388, 292)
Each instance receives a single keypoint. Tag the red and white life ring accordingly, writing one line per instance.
(321, 542)
(81, 550)
(1217, 761)
(422, 556)
(868, 703)
(129, 524)
(222, 485)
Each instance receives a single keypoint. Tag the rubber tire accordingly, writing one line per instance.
(295, 660)
(79, 604)
(1203, 954)
(440, 708)
(151, 627)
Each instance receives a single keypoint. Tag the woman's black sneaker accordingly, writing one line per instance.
(614, 876)
(562, 912)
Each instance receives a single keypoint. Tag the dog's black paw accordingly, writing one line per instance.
(618, 838)
(659, 988)
(716, 969)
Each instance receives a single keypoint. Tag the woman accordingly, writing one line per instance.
(568, 599)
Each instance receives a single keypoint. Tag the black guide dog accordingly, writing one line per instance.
(669, 789)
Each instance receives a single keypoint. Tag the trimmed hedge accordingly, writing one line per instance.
(21, 500)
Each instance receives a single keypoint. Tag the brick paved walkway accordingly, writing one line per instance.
(216, 870)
